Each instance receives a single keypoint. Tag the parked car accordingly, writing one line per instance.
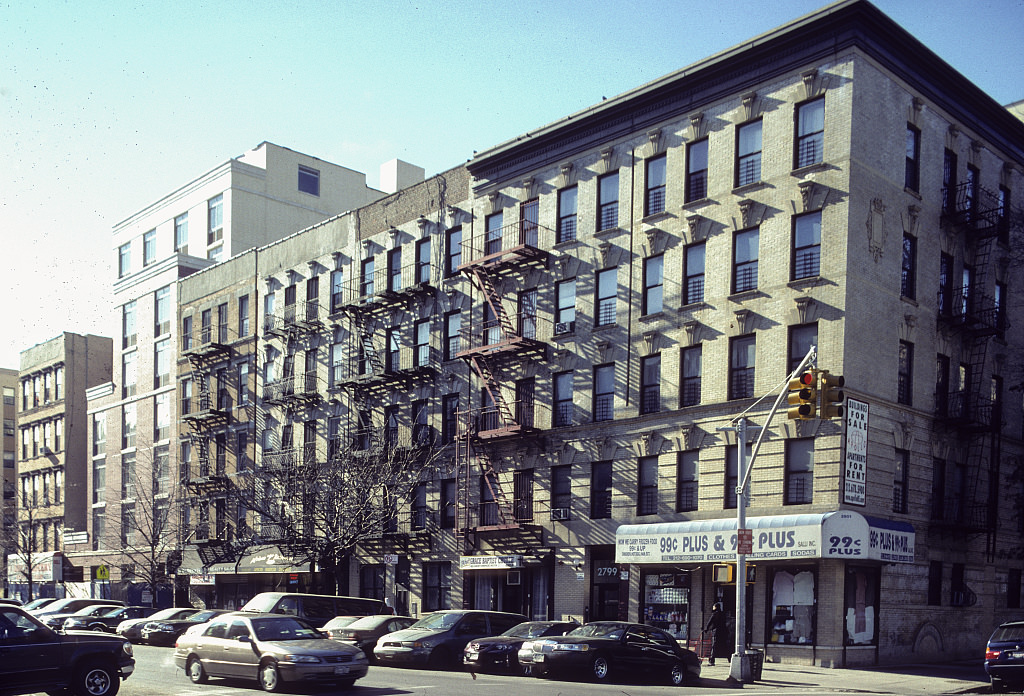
(1004, 657)
(603, 649)
(38, 603)
(131, 629)
(501, 652)
(55, 620)
(274, 650)
(107, 620)
(338, 623)
(35, 658)
(166, 631)
(69, 605)
(438, 639)
(314, 608)
(10, 600)
(365, 631)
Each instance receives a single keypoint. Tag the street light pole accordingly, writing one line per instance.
(739, 665)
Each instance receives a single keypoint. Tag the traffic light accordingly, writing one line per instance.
(723, 573)
(832, 395)
(803, 392)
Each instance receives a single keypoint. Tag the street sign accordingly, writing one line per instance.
(391, 559)
(744, 541)
(102, 572)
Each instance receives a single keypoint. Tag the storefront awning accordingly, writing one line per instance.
(266, 559)
(841, 534)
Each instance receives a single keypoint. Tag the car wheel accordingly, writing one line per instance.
(677, 675)
(346, 683)
(440, 658)
(600, 668)
(99, 628)
(270, 677)
(195, 671)
(96, 680)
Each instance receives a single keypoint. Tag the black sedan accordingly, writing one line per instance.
(1004, 657)
(501, 652)
(167, 631)
(106, 621)
(604, 649)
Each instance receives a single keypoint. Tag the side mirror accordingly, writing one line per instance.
(245, 639)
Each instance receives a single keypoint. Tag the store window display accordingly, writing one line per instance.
(793, 606)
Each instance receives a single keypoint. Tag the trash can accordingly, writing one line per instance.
(756, 664)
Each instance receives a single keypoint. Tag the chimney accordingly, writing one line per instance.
(396, 175)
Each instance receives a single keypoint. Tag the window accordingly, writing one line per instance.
(647, 486)
(58, 383)
(687, 472)
(567, 200)
(392, 350)
(806, 246)
(449, 417)
(905, 375)
(742, 350)
(423, 261)
(418, 508)
(799, 484)
(448, 492)
(900, 481)
(162, 363)
(608, 201)
(309, 180)
(565, 308)
(971, 191)
(528, 216)
(421, 335)
(561, 491)
(748, 153)
(215, 219)
(453, 251)
(395, 270)
(601, 490)
(606, 300)
(731, 476)
(744, 276)
(128, 476)
(527, 312)
(391, 425)
(654, 198)
(945, 284)
(522, 495)
(999, 302)
(243, 382)
(421, 434)
(604, 392)
(697, 170)
(437, 585)
(525, 401)
(124, 260)
(181, 233)
(128, 374)
(268, 311)
(1003, 208)
(492, 235)
(337, 290)
(489, 513)
(243, 315)
(941, 385)
(693, 281)
(99, 522)
(908, 280)
(801, 338)
(963, 303)
(366, 282)
(810, 132)
(912, 175)
(128, 420)
(563, 399)
(148, 247)
(337, 359)
(653, 284)
(128, 330)
(650, 384)
(452, 332)
(162, 311)
(949, 179)
(162, 416)
(242, 458)
(689, 388)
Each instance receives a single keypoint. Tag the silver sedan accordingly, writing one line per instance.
(270, 648)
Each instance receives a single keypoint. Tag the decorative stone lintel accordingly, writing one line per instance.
(565, 174)
(654, 139)
(650, 340)
(696, 123)
(744, 320)
(692, 329)
(293, 276)
(337, 257)
(804, 304)
(747, 207)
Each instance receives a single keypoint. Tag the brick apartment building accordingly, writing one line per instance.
(576, 318)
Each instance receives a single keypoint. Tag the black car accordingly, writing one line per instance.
(438, 639)
(1004, 656)
(167, 631)
(604, 649)
(501, 652)
(108, 620)
(35, 658)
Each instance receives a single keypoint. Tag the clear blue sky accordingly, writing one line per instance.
(107, 106)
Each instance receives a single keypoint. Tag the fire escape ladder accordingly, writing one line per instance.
(492, 297)
(374, 361)
(497, 413)
(495, 507)
(462, 477)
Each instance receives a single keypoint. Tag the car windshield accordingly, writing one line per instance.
(284, 629)
(437, 621)
(527, 629)
(93, 610)
(36, 603)
(340, 621)
(172, 613)
(364, 622)
(203, 616)
(599, 630)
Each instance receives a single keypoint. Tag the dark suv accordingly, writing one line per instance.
(36, 658)
(1004, 656)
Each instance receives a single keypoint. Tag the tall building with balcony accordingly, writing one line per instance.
(52, 468)
(265, 194)
(577, 321)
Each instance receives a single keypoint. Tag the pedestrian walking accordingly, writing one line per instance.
(719, 628)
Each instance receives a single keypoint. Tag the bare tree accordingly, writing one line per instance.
(319, 510)
(23, 550)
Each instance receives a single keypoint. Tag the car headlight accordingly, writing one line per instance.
(360, 655)
(501, 647)
(160, 627)
(127, 647)
(300, 658)
(528, 645)
(572, 647)
(418, 644)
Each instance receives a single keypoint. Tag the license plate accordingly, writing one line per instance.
(538, 658)
(341, 670)
(1017, 655)
(471, 657)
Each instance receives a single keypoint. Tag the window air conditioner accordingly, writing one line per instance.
(564, 327)
(560, 514)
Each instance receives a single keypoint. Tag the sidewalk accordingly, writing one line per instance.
(955, 678)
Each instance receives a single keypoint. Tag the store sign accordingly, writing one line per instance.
(855, 471)
(44, 567)
(203, 579)
(490, 562)
(840, 534)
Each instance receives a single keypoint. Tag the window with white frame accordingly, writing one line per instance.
(128, 330)
(565, 307)
(654, 195)
(806, 245)
(215, 219)
(124, 260)
(148, 247)
(309, 180)
(745, 254)
(162, 311)
(799, 483)
(748, 153)
(608, 201)
(810, 132)
(567, 202)
(181, 233)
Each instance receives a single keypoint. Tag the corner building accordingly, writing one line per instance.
(579, 316)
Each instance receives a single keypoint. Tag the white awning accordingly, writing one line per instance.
(838, 534)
